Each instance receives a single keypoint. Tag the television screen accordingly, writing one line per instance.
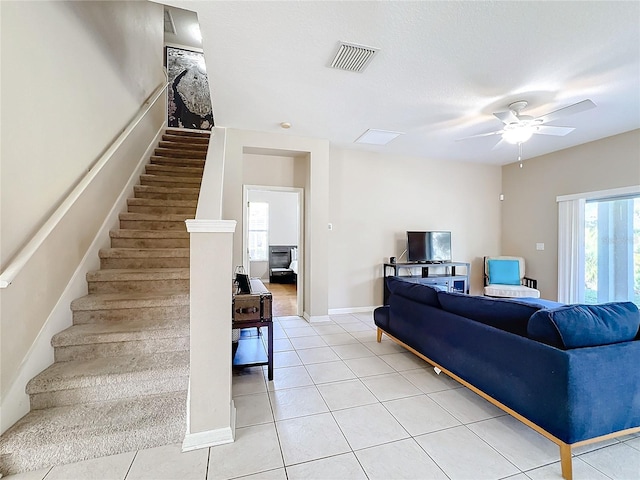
(429, 247)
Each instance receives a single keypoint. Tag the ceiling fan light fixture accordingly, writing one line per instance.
(515, 134)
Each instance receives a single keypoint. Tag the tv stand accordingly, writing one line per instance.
(448, 276)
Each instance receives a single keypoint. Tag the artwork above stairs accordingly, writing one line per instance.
(121, 371)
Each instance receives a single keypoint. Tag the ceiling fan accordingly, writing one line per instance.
(519, 128)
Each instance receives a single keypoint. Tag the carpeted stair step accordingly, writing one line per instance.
(139, 280)
(179, 162)
(177, 312)
(160, 206)
(182, 193)
(170, 181)
(184, 132)
(144, 258)
(174, 170)
(200, 139)
(112, 378)
(154, 221)
(130, 238)
(99, 307)
(181, 153)
(191, 146)
(120, 338)
(108, 301)
(161, 306)
(61, 435)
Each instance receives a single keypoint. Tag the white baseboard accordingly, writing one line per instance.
(15, 403)
(315, 318)
(211, 438)
(342, 311)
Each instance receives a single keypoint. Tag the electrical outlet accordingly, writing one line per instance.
(539, 246)
(331, 226)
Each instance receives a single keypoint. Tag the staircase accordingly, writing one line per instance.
(120, 376)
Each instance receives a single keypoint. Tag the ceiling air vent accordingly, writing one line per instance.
(352, 57)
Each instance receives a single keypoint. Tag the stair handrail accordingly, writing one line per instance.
(30, 248)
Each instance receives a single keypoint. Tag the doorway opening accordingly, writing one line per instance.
(273, 243)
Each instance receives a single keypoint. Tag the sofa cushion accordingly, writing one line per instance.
(504, 272)
(512, 291)
(505, 314)
(575, 326)
(413, 291)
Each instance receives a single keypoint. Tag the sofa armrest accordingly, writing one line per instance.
(381, 317)
(529, 282)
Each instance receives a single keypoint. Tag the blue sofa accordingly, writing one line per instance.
(568, 371)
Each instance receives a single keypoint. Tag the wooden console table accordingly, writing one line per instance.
(253, 310)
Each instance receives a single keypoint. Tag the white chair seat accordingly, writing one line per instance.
(514, 291)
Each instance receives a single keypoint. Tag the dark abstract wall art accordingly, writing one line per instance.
(189, 100)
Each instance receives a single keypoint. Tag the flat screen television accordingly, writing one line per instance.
(429, 247)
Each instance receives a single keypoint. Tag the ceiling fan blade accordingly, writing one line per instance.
(499, 144)
(497, 132)
(570, 110)
(553, 130)
(506, 117)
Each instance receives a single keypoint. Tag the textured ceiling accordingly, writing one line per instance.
(443, 68)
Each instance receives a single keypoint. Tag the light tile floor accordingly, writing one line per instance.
(342, 406)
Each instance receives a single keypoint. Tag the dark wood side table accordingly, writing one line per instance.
(253, 310)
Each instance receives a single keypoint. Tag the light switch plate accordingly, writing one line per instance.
(539, 246)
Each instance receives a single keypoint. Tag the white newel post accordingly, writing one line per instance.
(210, 409)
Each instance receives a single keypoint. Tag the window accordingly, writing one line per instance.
(612, 250)
(258, 231)
(599, 247)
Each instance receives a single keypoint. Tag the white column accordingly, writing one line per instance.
(210, 412)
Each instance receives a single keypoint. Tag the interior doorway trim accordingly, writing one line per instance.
(300, 234)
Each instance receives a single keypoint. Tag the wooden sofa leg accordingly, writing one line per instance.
(379, 335)
(565, 461)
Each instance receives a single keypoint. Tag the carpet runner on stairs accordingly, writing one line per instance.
(121, 371)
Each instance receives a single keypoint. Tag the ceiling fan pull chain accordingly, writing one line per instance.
(520, 153)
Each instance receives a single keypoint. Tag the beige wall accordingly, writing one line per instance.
(311, 172)
(74, 74)
(274, 170)
(372, 200)
(530, 211)
(375, 199)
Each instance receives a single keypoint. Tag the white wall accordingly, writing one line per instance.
(187, 28)
(74, 74)
(376, 198)
(530, 211)
(283, 218)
